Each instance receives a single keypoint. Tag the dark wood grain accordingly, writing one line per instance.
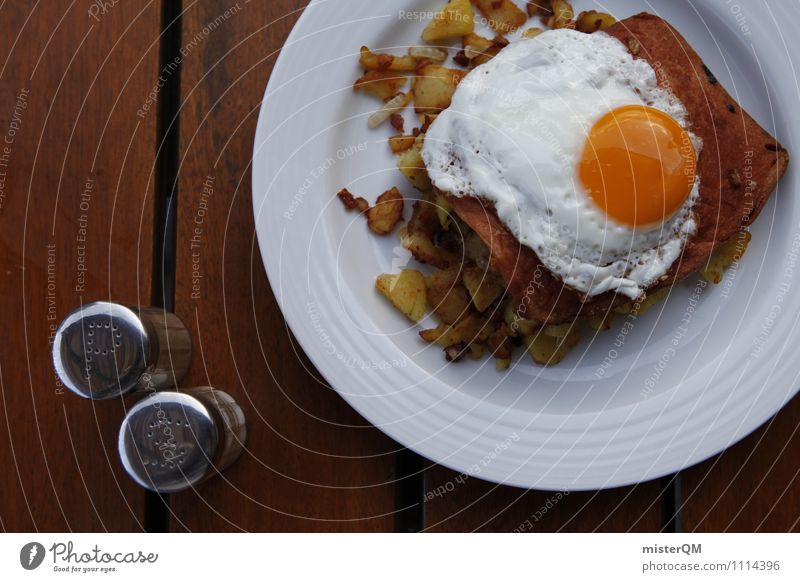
(456, 505)
(753, 486)
(312, 464)
(76, 192)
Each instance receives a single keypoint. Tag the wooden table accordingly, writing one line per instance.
(128, 126)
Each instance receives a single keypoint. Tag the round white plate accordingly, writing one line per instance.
(649, 397)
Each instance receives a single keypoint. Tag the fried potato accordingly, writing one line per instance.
(454, 20)
(387, 212)
(447, 297)
(382, 62)
(392, 106)
(548, 350)
(406, 291)
(562, 15)
(517, 326)
(600, 322)
(424, 218)
(650, 300)
(532, 33)
(479, 49)
(449, 335)
(351, 202)
(401, 143)
(423, 249)
(382, 85)
(502, 16)
(560, 331)
(535, 7)
(591, 21)
(484, 287)
(502, 364)
(724, 256)
(443, 211)
(434, 86)
(500, 343)
(475, 249)
(411, 165)
(431, 53)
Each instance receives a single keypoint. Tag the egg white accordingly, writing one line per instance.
(514, 135)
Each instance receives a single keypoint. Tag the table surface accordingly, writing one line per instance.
(126, 123)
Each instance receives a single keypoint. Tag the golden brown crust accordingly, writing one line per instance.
(739, 167)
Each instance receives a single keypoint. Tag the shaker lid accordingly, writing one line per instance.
(167, 442)
(102, 350)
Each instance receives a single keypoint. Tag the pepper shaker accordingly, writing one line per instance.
(103, 350)
(170, 441)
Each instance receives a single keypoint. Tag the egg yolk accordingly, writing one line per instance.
(638, 165)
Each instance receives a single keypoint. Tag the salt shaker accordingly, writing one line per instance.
(170, 441)
(104, 350)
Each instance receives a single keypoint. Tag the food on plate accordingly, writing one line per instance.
(406, 291)
(392, 106)
(383, 85)
(455, 20)
(381, 218)
(503, 16)
(567, 176)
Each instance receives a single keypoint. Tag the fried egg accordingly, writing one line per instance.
(585, 158)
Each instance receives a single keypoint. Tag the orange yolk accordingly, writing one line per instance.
(638, 165)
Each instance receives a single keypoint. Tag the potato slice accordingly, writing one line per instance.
(444, 211)
(412, 166)
(562, 15)
(387, 212)
(548, 350)
(447, 297)
(382, 85)
(502, 16)
(502, 364)
(480, 50)
(434, 86)
(532, 33)
(382, 62)
(406, 291)
(559, 331)
(423, 249)
(484, 287)
(500, 343)
(724, 256)
(401, 143)
(600, 322)
(591, 21)
(449, 335)
(517, 326)
(454, 20)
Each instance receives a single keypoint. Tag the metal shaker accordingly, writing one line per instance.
(171, 441)
(103, 350)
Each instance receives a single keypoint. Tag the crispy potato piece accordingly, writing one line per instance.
(446, 296)
(600, 322)
(424, 218)
(443, 211)
(517, 326)
(484, 287)
(454, 20)
(382, 62)
(532, 33)
(411, 165)
(502, 16)
(591, 21)
(535, 7)
(548, 350)
(351, 202)
(406, 291)
(479, 49)
(724, 256)
(387, 212)
(502, 364)
(560, 331)
(562, 15)
(500, 343)
(434, 86)
(475, 249)
(423, 249)
(382, 85)
(431, 53)
(392, 106)
(401, 143)
(476, 351)
(446, 335)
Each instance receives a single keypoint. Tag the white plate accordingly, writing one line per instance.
(622, 408)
